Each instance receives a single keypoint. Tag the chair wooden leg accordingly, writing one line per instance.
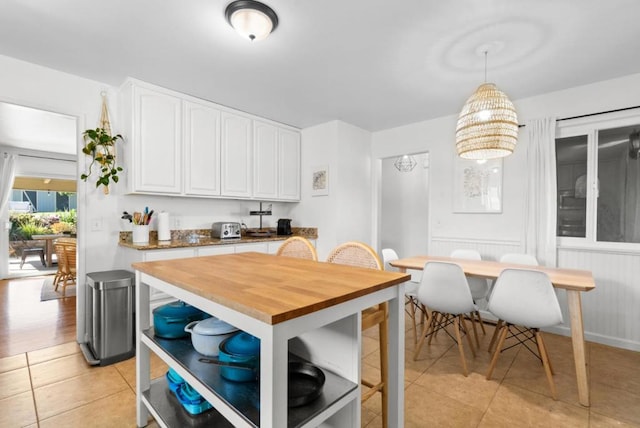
(425, 330)
(456, 323)
(384, 368)
(466, 333)
(484, 332)
(496, 354)
(545, 363)
(475, 330)
(412, 313)
(496, 332)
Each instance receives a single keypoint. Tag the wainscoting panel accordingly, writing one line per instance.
(611, 312)
(489, 250)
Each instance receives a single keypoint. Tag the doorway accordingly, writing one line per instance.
(43, 147)
(404, 204)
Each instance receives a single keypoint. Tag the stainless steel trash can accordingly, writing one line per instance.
(110, 317)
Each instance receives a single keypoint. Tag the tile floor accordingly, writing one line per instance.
(54, 387)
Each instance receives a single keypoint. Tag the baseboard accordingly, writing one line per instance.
(598, 338)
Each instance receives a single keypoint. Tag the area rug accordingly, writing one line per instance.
(48, 293)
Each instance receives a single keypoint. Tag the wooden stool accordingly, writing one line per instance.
(361, 255)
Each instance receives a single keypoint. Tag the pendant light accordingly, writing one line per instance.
(405, 163)
(488, 124)
(251, 19)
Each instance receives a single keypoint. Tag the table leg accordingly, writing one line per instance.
(395, 348)
(577, 339)
(49, 252)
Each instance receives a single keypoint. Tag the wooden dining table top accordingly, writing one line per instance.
(570, 279)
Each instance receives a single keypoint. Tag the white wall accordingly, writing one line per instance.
(345, 214)
(617, 286)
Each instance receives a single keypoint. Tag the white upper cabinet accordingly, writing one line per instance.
(265, 160)
(156, 146)
(276, 162)
(289, 165)
(201, 149)
(236, 155)
(184, 146)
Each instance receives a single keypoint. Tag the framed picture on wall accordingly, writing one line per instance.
(477, 186)
(320, 181)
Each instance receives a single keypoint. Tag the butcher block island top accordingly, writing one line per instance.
(269, 288)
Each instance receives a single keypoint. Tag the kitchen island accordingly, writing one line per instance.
(309, 309)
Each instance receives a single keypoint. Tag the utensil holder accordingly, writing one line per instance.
(140, 234)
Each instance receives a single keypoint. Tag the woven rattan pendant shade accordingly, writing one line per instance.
(487, 125)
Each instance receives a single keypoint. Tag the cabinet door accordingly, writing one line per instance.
(289, 165)
(265, 160)
(157, 142)
(174, 253)
(258, 247)
(236, 155)
(215, 250)
(201, 149)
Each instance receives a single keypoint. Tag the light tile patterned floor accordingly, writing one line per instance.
(54, 387)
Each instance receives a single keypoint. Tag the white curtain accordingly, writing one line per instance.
(541, 200)
(7, 169)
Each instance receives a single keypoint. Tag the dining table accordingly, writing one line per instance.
(48, 249)
(573, 281)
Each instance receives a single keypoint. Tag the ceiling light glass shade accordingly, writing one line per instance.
(405, 163)
(487, 125)
(251, 19)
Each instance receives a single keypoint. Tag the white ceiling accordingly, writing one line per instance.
(372, 63)
(33, 129)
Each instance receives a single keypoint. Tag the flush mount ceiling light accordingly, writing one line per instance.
(405, 163)
(488, 124)
(251, 19)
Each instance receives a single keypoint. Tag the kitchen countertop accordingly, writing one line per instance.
(180, 239)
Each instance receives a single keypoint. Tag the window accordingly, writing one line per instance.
(598, 175)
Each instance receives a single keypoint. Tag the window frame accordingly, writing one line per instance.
(590, 126)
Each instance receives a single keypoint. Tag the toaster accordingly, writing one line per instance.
(225, 230)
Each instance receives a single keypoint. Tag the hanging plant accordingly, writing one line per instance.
(100, 145)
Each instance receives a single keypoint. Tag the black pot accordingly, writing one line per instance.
(170, 320)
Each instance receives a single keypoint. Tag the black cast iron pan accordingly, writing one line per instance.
(305, 383)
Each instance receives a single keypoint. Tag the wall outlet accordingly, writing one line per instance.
(96, 224)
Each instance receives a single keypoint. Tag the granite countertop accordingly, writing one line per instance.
(202, 237)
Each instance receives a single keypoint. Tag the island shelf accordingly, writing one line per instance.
(299, 309)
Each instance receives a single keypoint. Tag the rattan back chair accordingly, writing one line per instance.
(298, 247)
(66, 255)
(361, 255)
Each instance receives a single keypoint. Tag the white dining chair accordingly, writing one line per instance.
(479, 289)
(412, 305)
(445, 291)
(526, 302)
(518, 259)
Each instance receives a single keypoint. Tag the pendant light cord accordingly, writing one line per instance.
(485, 66)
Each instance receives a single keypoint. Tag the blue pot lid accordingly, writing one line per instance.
(243, 344)
(176, 309)
(213, 327)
